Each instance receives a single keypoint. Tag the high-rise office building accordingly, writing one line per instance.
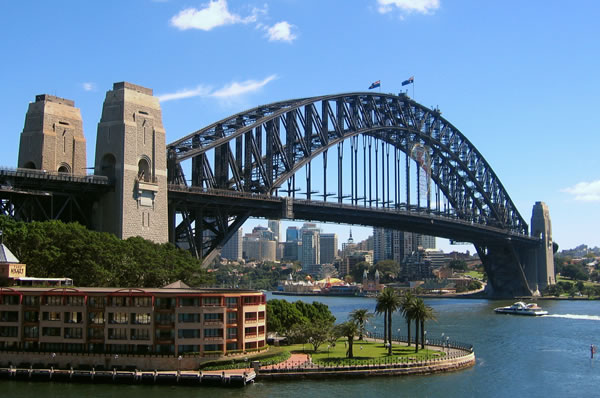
(328, 248)
(232, 250)
(275, 226)
(292, 234)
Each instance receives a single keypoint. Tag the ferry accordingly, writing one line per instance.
(520, 308)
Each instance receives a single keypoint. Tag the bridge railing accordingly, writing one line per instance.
(53, 175)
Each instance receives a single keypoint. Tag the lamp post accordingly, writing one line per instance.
(116, 357)
(179, 358)
(53, 355)
(448, 344)
(328, 346)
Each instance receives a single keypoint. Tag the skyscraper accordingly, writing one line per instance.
(232, 250)
(292, 234)
(328, 249)
(274, 226)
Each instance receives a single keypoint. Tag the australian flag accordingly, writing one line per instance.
(408, 81)
(375, 84)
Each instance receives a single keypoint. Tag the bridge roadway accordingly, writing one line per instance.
(39, 183)
(274, 207)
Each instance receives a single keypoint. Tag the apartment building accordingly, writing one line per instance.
(135, 321)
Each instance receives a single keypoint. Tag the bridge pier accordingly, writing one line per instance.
(503, 264)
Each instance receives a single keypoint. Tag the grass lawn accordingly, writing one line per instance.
(475, 274)
(585, 283)
(364, 352)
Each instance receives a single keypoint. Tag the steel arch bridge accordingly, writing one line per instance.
(399, 165)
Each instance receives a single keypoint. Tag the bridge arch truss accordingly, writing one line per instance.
(388, 151)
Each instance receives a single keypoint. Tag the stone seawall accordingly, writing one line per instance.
(423, 367)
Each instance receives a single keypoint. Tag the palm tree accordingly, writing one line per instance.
(349, 329)
(406, 305)
(361, 317)
(388, 301)
(420, 313)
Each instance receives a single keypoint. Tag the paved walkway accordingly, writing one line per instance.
(294, 361)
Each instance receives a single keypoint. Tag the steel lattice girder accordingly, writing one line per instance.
(463, 175)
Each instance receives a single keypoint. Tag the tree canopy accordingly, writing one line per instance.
(282, 315)
(55, 249)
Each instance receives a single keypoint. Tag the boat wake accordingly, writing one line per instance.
(574, 316)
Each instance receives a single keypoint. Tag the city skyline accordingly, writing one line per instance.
(524, 96)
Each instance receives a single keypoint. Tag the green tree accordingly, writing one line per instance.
(348, 329)
(406, 305)
(361, 316)
(358, 269)
(421, 313)
(282, 315)
(388, 301)
(388, 270)
(458, 265)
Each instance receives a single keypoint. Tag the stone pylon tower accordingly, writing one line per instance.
(541, 227)
(52, 138)
(130, 150)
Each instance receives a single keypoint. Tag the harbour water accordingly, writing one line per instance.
(516, 356)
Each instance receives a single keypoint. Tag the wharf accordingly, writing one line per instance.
(237, 378)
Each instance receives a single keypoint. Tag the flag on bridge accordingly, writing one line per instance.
(410, 80)
(375, 84)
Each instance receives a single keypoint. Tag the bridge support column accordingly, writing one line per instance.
(540, 267)
(502, 262)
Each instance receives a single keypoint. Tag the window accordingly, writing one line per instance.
(31, 332)
(117, 334)
(232, 333)
(188, 333)
(54, 300)
(212, 347)
(51, 316)
(141, 319)
(231, 302)
(10, 331)
(250, 316)
(119, 301)
(32, 301)
(232, 346)
(75, 300)
(31, 316)
(10, 300)
(189, 318)
(73, 317)
(182, 349)
(213, 333)
(51, 332)
(96, 318)
(211, 301)
(142, 301)
(73, 333)
(96, 333)
(232, 317)
(218, 317)
(188, 301)
(117, 317)
(96, 302)
(9, 316)
(140, 334)
(164, 319)
(250, 332)
(164, 303)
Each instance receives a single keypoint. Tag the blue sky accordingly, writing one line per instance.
(518, 78)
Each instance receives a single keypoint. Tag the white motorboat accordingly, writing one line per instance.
(520, 308)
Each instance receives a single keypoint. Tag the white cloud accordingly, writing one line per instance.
(234, 89)
(281, 31)
(89, 86)
(408, 6)
(213, 15)
(585, 191)
(199, 91)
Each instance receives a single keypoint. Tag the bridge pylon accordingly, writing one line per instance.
(540, 272)
(130, 151)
